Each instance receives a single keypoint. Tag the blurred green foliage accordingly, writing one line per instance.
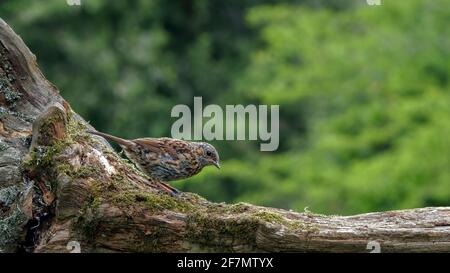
(363, 91)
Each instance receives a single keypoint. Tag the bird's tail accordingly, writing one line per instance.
(118, 140)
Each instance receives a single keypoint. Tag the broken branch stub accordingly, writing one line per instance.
(49, 127)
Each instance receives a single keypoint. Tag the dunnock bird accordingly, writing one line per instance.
(166, 159)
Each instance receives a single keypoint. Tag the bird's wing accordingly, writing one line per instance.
(159, 145)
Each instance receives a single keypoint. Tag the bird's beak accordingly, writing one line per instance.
(217, 165)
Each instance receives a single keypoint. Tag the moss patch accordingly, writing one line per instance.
(238, 208)
(270, 217)
(41, 157)
(87, 223)
(210, 229)
(76, 129)
(151, 201)
(82, 172)
(275, 218)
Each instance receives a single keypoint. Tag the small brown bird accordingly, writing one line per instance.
(167, 159)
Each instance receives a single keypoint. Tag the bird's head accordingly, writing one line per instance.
(208, 155)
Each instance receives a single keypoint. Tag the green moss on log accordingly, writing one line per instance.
(87, 223)
(151, 201)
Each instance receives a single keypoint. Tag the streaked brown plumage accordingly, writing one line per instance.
(166, 159)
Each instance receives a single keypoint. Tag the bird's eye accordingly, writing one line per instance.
(208, 153)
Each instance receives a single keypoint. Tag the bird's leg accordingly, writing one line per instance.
(176, 191)
(169, 189)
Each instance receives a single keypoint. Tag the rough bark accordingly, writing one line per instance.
(59, 184)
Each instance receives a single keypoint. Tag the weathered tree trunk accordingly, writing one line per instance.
(59, 184)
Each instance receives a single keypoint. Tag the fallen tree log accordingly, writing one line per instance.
(61, 187)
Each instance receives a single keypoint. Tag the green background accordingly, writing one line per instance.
(363, 90)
